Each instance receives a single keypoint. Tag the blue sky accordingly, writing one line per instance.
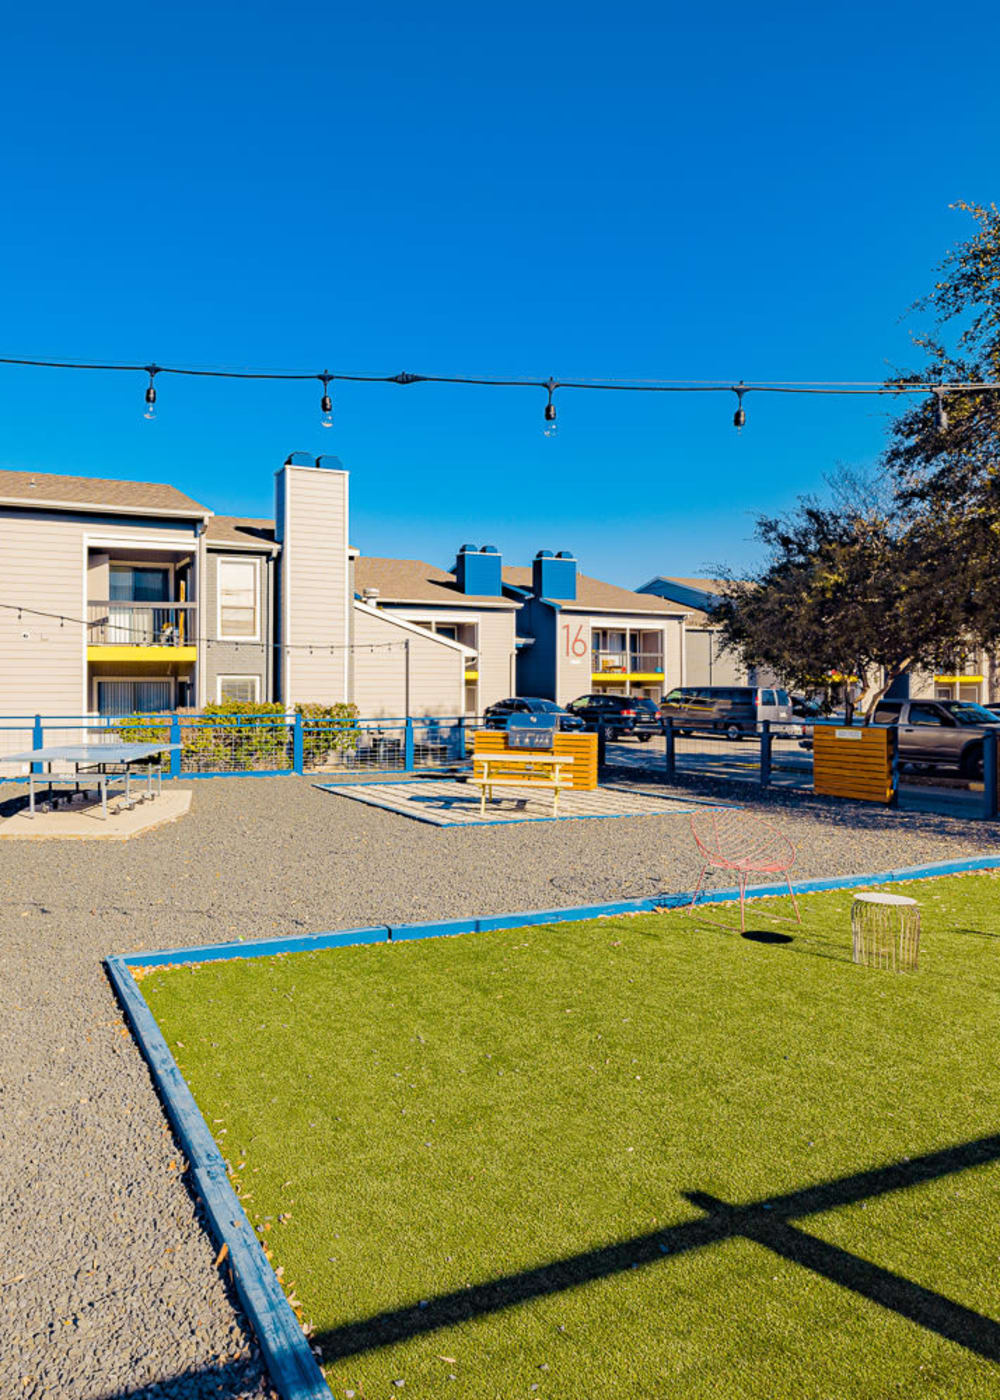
(651, 191)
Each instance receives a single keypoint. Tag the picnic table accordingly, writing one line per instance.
(98, 765)
(492, 770)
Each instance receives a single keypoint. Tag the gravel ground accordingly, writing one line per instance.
(107, 1282)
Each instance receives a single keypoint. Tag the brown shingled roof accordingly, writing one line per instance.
(95, 493)
(413, 581)
(595, 593)
(704, 585)
(239, 529)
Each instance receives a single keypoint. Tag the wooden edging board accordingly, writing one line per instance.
(286, 1350)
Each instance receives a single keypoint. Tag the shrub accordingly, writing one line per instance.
(327, 728)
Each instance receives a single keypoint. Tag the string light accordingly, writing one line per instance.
(551, 426)
(63, 618)
(652, 386)
(739, 417)
(326, 402)
(150, 412)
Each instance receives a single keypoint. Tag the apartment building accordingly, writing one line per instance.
(466, 605)
(705, 660)
(122, 596)
(578, 635)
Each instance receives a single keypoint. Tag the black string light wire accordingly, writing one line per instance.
(331, 647)
(875, 388)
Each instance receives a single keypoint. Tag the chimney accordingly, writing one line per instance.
(478, 571)
(554, 575)
(314, 618)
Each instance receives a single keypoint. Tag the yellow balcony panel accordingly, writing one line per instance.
(648, 677)
(958, 680)
(129, 653)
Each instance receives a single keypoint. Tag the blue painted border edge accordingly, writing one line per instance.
(286, 1350)
(293, 1367)
(381, 933)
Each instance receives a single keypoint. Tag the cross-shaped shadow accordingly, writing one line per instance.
(767, 1222)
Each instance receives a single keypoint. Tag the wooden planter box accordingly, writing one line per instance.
(852, 763)
(582, 748)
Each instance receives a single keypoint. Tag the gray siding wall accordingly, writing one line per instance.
(436, 683)
(706, 664)
(574, 674)
(496, 656)
(223, 658)
(43, 565)
(495, 633)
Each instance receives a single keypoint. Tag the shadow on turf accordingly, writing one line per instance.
(767, 1222)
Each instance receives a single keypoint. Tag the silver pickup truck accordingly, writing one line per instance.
(939, 733)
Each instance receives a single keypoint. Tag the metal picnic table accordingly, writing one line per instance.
(92, 762)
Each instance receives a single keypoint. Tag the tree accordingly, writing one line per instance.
(858, 588)
(948, 470)
(906, 574)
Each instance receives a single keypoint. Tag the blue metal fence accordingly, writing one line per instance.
(261, 745)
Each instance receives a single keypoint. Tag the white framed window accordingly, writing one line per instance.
(245, 689)
(238, 600)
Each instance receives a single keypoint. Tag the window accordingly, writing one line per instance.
(237, 598)
(767, 697)
(925, 714)
(887, 713)
(245, 689)
(130, 584)
(123, 697)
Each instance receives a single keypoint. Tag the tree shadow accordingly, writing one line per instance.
(767, 1222)
(229, 1380)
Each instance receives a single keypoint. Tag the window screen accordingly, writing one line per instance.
(241, 688)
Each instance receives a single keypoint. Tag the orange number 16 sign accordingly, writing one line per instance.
(575, 642)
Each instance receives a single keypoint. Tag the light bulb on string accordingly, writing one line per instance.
(739, 417)
(326, 402)
(551, 426)
(150, 410)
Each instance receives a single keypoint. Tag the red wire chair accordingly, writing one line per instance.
(728, 839)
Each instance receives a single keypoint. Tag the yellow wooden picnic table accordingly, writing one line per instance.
(500, 770)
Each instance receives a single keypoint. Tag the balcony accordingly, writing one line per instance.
(141, 631)
(635, 665)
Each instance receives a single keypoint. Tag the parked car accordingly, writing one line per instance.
(497, 715)
(733, 710)
(804, 708)
(621, 715)
(939, 733)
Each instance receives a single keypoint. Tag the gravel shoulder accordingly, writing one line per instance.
(107, 1281)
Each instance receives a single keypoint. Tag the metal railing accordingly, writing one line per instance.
(614, 662)
(112, 623)
(272, 744)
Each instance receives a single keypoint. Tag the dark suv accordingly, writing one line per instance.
(620, 714)
(496, 716)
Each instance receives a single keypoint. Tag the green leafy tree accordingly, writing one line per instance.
(856, 590)
(947, 470)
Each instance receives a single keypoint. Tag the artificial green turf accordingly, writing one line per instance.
(410, 1119)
